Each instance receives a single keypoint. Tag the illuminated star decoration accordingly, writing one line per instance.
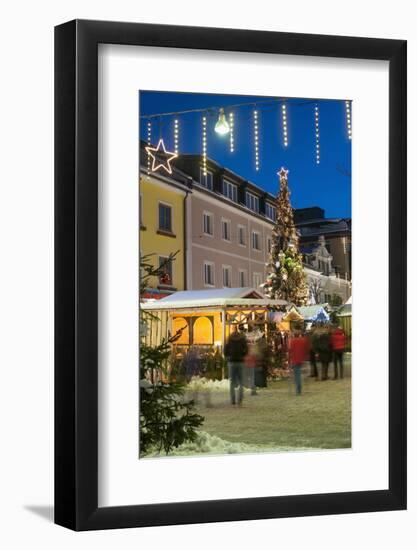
(283, 173)
(161, 158)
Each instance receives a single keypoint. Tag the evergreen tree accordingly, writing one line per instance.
(286, 279)
(167, 418)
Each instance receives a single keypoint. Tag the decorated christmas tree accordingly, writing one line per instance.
(286, 279)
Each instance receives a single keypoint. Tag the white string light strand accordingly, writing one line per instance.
(317, 132)
(348, 119)
(256, 137)
(204, 143)
(232, 132)
(149, 139)
(284, 124)
(176, 136)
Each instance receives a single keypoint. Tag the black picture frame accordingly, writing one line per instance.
(76, 272)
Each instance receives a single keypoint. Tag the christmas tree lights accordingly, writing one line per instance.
(286, 279)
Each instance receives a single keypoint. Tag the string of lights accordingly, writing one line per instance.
(176, 136)
(317, 131)
(256, 138)
(215, 109)
(284, 124)
(348, 119)
(204, 143)
(225, 125)
(149, 139)
(232, 132)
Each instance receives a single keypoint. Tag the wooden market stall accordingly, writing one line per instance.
(344, 316)
(206, 318)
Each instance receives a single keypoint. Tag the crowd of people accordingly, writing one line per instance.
(322, 346)
(248, 362)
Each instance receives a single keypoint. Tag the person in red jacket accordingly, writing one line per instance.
(338, 341)
(299, 349)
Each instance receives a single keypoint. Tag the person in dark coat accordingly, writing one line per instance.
(322, 346)
(262, 351)
(299, 349)
(235, 352)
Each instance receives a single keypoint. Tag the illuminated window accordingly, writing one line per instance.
(165, 270)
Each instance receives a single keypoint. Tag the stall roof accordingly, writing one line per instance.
(314, 313)
(214, 297)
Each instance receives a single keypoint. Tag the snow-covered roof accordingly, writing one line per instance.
(213, 297)
(314, 313)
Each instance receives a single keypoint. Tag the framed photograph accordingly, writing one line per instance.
(230, 337)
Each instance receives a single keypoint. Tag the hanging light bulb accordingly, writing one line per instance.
(222, 126)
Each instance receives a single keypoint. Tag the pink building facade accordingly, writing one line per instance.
(228, 245)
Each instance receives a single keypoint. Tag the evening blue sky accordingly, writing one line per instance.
(327, 185)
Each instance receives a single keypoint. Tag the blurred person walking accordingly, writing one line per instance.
(251, 365)
(322, 346)
(263, 356)
(235, 352)
(314, 373)
(298, 348)
(338, 341)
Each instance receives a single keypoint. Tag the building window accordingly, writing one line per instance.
(209, 273)
(242, 278)
(269, 244)
(252, 202)
(165, 270)
(165, 217)
(227, 276)
(256, 240)
(257, 280)
(206, 179)
(226, 236)
(208, 223)
(241, 235)
(230, 190)
(270, 211)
